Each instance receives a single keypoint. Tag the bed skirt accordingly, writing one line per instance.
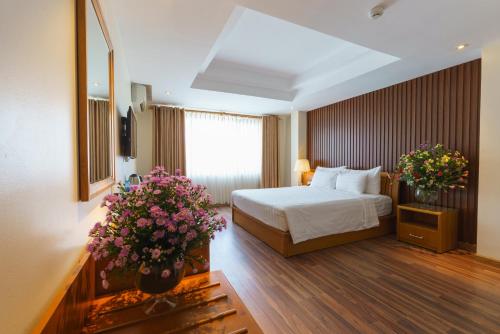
(282, 242)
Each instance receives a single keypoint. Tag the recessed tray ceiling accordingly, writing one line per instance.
(264, 56)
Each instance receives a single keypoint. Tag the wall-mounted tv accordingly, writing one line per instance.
(129, 135)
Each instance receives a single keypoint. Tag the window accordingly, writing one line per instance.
(223, 152)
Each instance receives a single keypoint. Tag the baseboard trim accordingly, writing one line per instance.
(467, 246)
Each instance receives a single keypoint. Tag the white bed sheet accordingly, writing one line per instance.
(311, 205)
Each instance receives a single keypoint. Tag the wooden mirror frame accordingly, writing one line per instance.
(88, 190)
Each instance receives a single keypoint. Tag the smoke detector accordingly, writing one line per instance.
(377, 12)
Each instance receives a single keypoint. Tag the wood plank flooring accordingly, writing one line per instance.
(372, 286)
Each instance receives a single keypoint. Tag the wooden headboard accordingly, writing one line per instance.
(389, 185)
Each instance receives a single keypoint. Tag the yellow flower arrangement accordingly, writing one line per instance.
(433, 169)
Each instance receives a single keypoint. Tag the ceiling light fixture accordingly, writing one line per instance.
(462, 46)
(167, 92)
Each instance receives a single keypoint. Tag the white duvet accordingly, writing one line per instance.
(310, 212)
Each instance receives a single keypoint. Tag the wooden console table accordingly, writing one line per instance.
(206, 303)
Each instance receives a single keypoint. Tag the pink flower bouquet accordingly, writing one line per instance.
(157, 224)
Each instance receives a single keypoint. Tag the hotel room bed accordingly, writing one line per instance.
(296, 220)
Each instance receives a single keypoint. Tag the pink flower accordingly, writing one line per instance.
(179, 264)
(155, 209)
(110, 266)
(171, 227)
(165, 273)
(119, 242)
(201, 213)
(135, 257)
(124, 252)
(112, 198)
(157, 192)
(191, 235)
(124, 232)
(142, 222)
(194, 270)
(102, 274)
(105, 284)
(183, 228)
(206, 265)
(155, 253)
(158, 234)
(161, 221)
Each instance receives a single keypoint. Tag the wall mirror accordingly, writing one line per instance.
(96, 109)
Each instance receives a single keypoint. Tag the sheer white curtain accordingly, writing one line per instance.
(223, 152)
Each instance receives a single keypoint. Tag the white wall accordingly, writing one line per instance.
(284, 169)
(144, 159)
(298, 142)
(123, 92)
(488, 229)
(43, 227)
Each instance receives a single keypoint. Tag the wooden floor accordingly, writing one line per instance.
(372, 286)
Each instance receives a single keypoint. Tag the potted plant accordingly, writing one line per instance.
(431, 169)
(152, 229)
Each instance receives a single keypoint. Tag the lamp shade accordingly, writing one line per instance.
(302, 165)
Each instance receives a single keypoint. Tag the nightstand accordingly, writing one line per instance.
(431, 227)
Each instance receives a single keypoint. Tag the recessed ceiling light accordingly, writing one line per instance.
(167, 92)
(462, 46)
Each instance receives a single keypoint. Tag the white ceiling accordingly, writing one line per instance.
(263, 56)
(291, 61)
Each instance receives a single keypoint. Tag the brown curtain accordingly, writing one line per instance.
(169, 145)
(133, 136)
(270, 157)
(99, 145)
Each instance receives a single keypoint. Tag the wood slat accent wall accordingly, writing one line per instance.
(377, 128)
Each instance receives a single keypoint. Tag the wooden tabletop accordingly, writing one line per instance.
(425, 208)
(206, 303)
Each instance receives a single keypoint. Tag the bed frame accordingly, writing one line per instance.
(282, 242)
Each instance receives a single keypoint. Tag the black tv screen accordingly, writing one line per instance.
(129, 135)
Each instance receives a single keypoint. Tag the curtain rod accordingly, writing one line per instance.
(208, 111)
(97, 98)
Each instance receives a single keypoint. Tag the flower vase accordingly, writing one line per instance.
(152, 282)
(426, 196)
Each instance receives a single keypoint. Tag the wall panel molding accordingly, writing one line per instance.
(378, 127)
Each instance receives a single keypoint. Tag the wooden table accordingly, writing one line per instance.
(206, 303)
(431, 227)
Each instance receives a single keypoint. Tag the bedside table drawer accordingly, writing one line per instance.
(417, 235)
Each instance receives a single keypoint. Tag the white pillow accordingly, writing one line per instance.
(372, 179)
(324, 178)
(352, 182)
(335, 169)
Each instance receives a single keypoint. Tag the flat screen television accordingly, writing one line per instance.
(129, 135)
